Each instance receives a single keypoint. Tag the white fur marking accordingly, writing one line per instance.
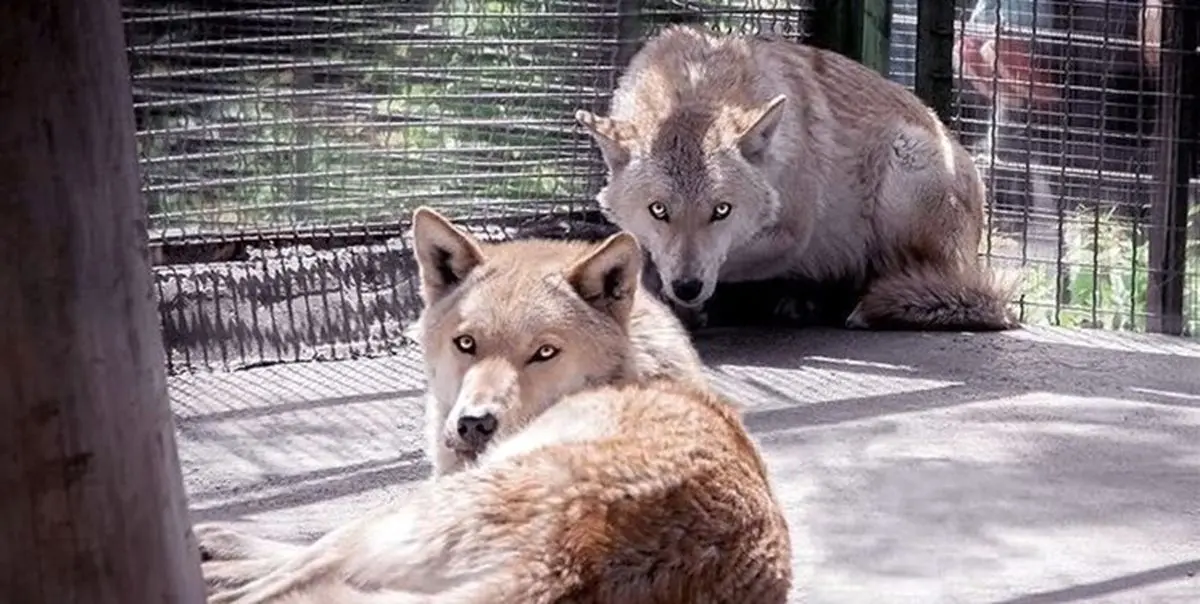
(695, 74)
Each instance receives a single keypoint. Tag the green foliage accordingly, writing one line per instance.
(1105, 277)
(468, 102)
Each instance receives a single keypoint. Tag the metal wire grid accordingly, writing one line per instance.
(1061, 102)
(277, 131)
(257, 116)
(259, 119)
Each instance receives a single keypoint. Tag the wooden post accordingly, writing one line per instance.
(92, 507)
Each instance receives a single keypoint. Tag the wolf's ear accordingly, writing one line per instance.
(445, 254)
(608, 277)
(755, 137)
(609, 135)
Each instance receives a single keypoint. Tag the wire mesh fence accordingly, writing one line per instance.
(257, 116)
(1077, 113)
(284, 144)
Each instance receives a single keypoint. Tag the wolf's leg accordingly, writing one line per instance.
(258, 581)
(223, 575)
(440, 539)
(419, 577)
(783, 302)
(219, 542)
(342, 593)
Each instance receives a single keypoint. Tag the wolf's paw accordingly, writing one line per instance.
(218, 542)
(221, 576)
(794, 310)
(1008, 320)
(857, 319)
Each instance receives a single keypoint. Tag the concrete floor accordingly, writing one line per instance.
(1035, 466)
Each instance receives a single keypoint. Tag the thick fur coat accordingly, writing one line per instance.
(590, 486)
(735, 159)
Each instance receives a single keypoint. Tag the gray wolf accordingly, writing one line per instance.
(738, 158)
(643, 493)
(509, 328)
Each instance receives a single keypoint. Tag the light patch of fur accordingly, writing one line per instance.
(514, 297)
(851, 177)
(649, 493)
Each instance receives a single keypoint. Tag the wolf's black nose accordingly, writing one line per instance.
(477, 430)
(687, 290)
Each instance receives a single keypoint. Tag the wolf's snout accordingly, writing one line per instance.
(477, 430)
(687, 290)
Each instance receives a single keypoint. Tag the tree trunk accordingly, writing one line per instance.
(92, 506)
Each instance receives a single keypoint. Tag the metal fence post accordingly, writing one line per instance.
(1176, 163)
(859, 29)
(935, 47)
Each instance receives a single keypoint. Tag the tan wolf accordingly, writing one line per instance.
(738, 158)
(508, 328)
(623, 490)
(648, 493)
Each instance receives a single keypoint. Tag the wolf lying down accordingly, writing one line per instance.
(591, 463)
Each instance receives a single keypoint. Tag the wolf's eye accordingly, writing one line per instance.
(465, 344)
(721, 211)
(545, 353)
(658, 210)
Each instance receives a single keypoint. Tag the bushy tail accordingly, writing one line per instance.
(930, 298)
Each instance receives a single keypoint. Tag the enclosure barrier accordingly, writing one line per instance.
(283, 147)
